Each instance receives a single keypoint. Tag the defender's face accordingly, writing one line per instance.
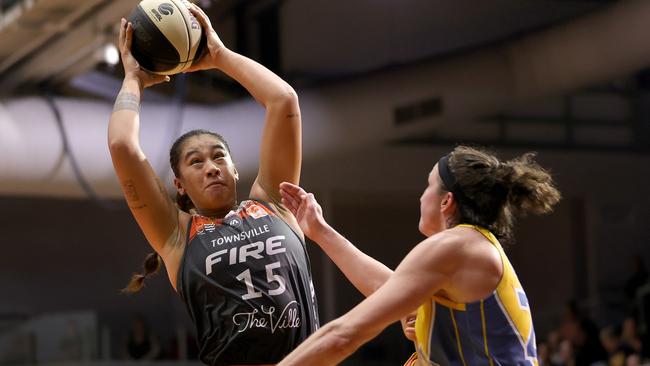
(207, 174)
(431, 218)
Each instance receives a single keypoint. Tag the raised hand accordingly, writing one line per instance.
(131, 67)
(304, 207)
(213, 43)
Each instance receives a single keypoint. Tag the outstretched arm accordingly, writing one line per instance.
(364, 272)
(145, 194)
(425, 270)
(280, 150)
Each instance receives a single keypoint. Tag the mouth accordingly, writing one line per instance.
(213, 184)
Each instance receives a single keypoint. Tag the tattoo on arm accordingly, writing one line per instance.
(131, 195)
(130, 192)
(127, 101)
(138, 206)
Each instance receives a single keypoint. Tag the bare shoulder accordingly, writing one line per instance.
(444, 251)
(476, 247)
(479, 266)
(457, 249)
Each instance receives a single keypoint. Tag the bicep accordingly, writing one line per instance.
(280, 150)
(145, 195)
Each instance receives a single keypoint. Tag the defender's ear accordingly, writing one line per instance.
(448, 204)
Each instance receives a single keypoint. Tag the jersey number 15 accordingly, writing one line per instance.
(252, 292)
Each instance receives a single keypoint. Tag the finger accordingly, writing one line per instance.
(285, 195)
(290, 191)
(129, 36)
(289, 207)
(290, 200)
(157, 79)
(289, 187)
(122, 35)
(200, 16)
(292, 206)
(293, 189)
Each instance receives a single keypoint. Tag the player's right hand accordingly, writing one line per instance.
(131, 67)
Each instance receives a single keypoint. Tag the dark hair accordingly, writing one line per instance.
(153, 260)
(494, 192)
(150, 266)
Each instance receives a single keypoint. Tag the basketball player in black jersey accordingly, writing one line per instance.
(241, 269)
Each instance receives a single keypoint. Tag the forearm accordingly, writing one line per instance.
(261, 83)
(328, 346)
(124, 123)
(364, 272)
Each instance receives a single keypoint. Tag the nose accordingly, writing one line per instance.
(212, 170)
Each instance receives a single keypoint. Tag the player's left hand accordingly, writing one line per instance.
(131, 67)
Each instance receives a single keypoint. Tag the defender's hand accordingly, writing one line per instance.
(304, 207)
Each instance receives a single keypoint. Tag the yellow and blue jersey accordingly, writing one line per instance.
(497, 330)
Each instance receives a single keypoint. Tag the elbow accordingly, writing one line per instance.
(286, 100)
(122, 147)
(116, 145)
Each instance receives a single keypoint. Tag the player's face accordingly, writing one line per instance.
(207, 174)
(431, 219)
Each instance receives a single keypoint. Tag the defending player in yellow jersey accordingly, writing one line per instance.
(472, 309)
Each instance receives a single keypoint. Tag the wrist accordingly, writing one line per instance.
(322, 232)
(218, 56)
(132, 81)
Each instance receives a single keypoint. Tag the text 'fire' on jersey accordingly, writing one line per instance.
(246, 282)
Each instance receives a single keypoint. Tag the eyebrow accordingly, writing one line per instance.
(195, 151)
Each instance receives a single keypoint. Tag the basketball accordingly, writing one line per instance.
(167, 38)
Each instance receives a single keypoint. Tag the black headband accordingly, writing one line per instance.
(448, 178)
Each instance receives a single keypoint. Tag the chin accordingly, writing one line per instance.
(423, 229)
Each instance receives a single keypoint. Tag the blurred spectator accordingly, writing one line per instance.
(637, 279)
(543, 355)
(611, 341)
(141, 343)
(583, 334)
(566, 354)
(633, 360)
(553, 342)
(629, 335)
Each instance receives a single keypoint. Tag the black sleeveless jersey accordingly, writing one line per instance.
(246, 282)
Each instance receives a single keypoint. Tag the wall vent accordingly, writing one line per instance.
(418, 110)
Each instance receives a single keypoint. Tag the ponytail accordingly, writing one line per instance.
(151, 266)
(531, 188)
(491, 193)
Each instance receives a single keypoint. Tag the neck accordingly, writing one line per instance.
(217, 213)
